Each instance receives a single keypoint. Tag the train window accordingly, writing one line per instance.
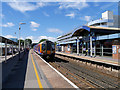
(39, 48)
(43, 46)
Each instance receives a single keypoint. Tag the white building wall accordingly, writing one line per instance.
(116, 21)
(107, 15)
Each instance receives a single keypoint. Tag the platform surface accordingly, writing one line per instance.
(106, 60)
(33, 72)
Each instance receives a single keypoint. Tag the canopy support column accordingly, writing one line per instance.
(91, 46)
(77, 45)
(82, 48)
(102, 49)
(12, 49)
(95, 48)
(5, 50)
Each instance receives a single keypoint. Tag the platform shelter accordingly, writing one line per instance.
(89, 35)
(7, 41)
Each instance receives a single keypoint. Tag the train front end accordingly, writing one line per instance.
(48, 49)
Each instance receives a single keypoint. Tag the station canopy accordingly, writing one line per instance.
(86, 30)
(3, 39)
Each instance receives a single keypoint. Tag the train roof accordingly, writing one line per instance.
(45, 41)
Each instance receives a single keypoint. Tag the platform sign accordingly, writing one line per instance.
(118, 50)
(114, 49)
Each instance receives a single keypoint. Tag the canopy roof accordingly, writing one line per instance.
(3, 39)
(86, 30)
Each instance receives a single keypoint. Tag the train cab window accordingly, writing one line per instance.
(53, 47)
(43, 46)
(48, 45)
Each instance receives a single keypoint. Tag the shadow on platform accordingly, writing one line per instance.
(16, 77)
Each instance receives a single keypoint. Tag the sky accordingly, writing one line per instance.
(48, 20)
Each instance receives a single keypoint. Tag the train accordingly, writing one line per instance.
(46, 49)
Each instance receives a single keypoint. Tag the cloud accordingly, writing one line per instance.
(25, 6)
(34, 29)
(37, 39)
(22, 38)
(34, 25)
(9, 24)
(42, 4)
(73, 5)
(46, 14)
(54, 30)
(2, 16)
(87, 18)
(9, 36)
(34, 39)
(30, 37)
(49, 38)
(72, 15)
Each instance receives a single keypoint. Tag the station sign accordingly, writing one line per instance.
(114, 49)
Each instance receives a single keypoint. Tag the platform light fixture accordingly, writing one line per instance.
(19, 37)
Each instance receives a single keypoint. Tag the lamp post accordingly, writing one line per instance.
(19, 37)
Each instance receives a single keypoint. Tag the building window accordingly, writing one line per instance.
(98, 24)
(104, 23)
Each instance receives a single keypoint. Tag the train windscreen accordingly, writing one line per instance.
(43, 46)
(53, 46)
(48, 45)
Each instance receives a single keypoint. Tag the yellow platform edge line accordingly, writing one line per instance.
(38, 79)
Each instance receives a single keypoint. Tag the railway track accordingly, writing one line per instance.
(83, 76)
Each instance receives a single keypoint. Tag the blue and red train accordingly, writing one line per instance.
(46, 49)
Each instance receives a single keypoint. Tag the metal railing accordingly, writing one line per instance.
(104, 51)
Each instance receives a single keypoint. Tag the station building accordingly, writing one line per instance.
(99, 37)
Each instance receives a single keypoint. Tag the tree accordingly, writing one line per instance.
(42, 40)
(21, 42)
(28, 41)
(55, 43)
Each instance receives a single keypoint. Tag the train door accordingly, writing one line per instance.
(39, 48)
(48, 47)
(43, 48)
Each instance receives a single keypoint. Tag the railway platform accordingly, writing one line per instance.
(97, 59)
(33, 72)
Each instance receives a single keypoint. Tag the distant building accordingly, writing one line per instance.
(107, 20)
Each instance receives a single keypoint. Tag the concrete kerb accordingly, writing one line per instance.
(7, 67)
